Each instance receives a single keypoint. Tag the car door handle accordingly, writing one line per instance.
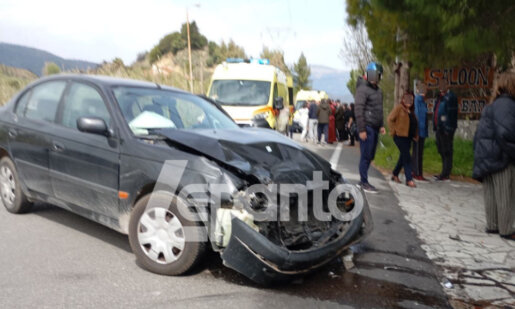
(12, 133)
(57, 147)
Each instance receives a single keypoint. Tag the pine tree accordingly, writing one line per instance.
(302, 73)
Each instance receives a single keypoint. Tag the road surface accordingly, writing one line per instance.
(52, 258)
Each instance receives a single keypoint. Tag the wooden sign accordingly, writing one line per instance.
(466, 106)
(460, 77)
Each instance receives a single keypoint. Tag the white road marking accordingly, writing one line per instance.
(336, 156)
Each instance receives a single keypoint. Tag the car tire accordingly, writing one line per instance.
(13, 198)
(157, 244)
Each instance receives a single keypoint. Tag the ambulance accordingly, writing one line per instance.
(302, 97)
(252, 91)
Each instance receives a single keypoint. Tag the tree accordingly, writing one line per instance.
(437, 32)
(197, 40)
(51, 68)
(217, 54)
(276, 58)
(351, 84)
(302, 73)
(413, 35)
(172, 42)
(141, 56)
(357, 48)
(232, 50)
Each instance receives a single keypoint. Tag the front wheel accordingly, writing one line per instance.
(13, 198)
(164, 241)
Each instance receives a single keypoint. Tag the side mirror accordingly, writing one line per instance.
(278, 103)
(93, 125)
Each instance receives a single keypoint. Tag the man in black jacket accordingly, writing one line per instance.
(445, 122)
(369, 119)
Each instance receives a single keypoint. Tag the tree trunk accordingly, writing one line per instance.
(396, 72)
(402, 80)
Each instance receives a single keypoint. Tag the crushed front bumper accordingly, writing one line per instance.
(253, 255)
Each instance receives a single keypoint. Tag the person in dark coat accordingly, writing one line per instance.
(323, 113)
(445, 122)
(494, 158)
(340, 122)
(418, 146)
(351, 125)
(369, 119)
(331, 134)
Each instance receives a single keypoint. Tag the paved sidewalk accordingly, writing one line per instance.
(477, 268)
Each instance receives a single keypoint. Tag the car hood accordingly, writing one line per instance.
(262, 153)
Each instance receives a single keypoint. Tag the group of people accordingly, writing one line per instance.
(333, 120)
(494, 142)
(408, 124)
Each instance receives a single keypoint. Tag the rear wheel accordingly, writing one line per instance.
(163, 240)
(13, 198)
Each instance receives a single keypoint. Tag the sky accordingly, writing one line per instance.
(98, 30)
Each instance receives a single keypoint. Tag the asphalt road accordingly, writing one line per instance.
(53, 258)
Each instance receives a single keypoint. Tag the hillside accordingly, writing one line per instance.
(33, 59)
(12, 80)
(332, 81)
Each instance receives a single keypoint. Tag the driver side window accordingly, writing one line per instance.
(83, 101)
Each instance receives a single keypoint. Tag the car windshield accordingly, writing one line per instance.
(146, 109)
(240, 92)
(299, 105)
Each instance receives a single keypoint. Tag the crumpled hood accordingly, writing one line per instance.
(262, 153)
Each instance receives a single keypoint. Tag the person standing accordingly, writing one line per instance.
(351, 125)
(331, 132)
(403, 126)
(494, 157)
(304, 121)
(445, 122)
(418, 146)
(369, 119)
(313, 121)
(323, 113)
(339, 118)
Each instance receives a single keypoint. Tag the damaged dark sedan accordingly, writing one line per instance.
(176, 174)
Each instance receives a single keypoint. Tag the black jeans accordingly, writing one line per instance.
(342, 135)
(418, 156)
(444, 143)
(368, 151)
(404, 145)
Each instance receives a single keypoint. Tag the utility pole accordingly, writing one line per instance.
(189, 50)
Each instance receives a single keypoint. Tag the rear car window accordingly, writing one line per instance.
(43, 103)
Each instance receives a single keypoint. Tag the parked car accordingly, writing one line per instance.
(123, 152)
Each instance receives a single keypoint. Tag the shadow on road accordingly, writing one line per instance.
(83, 225)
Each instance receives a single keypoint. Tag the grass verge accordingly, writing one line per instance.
(463, 161)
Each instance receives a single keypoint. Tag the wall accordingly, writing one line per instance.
(466, 129)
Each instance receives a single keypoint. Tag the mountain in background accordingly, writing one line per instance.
(33, 59)
(332, 81)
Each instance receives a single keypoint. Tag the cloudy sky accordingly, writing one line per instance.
(98, 30)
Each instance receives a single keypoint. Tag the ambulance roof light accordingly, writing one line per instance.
(251, 60)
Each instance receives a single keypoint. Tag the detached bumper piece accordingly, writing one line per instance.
(253, 255)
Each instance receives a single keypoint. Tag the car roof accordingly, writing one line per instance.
(109, 81)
